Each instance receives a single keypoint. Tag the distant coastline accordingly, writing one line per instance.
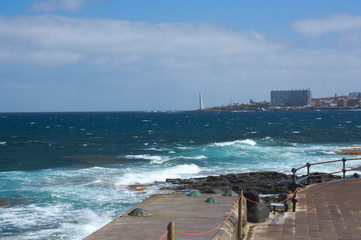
(262, 109)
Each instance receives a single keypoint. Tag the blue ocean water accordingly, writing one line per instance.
(64, 175)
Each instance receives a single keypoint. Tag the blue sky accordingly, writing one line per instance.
(111, 55)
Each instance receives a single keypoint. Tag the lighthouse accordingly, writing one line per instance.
(200, 102)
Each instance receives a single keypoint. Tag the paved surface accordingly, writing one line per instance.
(190, 214)
(324, 211)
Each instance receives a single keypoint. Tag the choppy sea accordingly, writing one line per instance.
(64, 175)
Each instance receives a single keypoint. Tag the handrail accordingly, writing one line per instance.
(308, 165)
(350, 159)
(300, 167)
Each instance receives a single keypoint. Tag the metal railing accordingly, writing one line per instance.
(308, 165)
(170, 233)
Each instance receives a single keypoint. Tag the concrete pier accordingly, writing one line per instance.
(327, 211)
(190, 214)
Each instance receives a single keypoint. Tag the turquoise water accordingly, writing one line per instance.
(64, 175)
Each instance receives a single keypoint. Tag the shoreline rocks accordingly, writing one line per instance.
(274, 184)
(350, 150)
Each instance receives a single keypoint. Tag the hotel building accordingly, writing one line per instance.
(291, 98)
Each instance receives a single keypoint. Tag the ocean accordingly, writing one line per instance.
(65, 175)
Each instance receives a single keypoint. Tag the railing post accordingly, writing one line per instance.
(170, 228)
(240, 209)
(294, 202)
(294, 175)
(308, 173)
(344, 167)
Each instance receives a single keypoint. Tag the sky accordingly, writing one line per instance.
(158, 55)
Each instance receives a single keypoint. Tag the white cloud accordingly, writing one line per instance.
(53, 5)
(330, 24)
(58, 40)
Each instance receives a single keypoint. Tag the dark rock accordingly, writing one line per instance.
(214, 191)
(212, 200)
(174, 181)
(262, 182)
(140, 212)
(281, 189)
(229, 193)
(255, 212)
(355, 175)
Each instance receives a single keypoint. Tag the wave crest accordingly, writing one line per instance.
(159, 159)
(234, 143)
(180, 171)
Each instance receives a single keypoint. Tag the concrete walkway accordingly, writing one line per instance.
(190, 214)
(324, 211)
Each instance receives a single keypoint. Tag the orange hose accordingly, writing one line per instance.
(164, 235)
(265, 204)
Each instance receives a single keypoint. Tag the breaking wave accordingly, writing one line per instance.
(149, 177)
(234, 143)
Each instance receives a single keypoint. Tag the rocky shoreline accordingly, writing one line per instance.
(274, 185)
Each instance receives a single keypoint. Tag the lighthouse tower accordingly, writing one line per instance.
(200, 102)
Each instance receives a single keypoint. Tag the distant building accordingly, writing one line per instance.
(354, 95)
(354, 102)
(291, 98)
(342, 102)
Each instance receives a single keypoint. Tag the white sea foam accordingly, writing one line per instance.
(89, 222)
(235, 143)
(154, 159)
(180, 171)
(2, 143)
(157, 149)
(185, 148)
(329, 152)
(59, 221)
(161, 159)
(195, 157)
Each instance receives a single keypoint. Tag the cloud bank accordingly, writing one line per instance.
(58, 40)
(117, 60)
